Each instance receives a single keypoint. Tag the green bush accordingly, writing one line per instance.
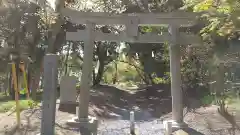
(126, 74)
(207, 100)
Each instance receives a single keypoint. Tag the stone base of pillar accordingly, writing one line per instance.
(89, 125)
(174, 125)
(179, 125)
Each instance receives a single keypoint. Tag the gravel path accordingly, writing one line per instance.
(198, 121)
(121, 127)
(206, 120)
(31, 125)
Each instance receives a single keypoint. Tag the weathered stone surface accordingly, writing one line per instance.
(68, 94)
(87, 126)
(49, 94)
(68, 89)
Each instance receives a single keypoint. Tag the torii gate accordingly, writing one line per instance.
(131, 21)
(131, 34)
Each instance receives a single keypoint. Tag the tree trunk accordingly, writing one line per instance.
(10, 86)
(115, 77)
(99, 73)
(220, 80)
(29, 81)
(18, 74)
(94, 76)
(32, 27)
(7, 83)
(35, 82)
(66, 60)
(144, 60)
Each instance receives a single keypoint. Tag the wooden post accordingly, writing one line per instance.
(16, 88)
(86, 73)
(176, 90)
(22, 67)
(26, 83)
(49, 94)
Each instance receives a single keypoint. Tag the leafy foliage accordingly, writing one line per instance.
(222, 15)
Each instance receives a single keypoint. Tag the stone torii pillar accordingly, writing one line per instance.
(86, 73)
(175, 72)
(49, 94)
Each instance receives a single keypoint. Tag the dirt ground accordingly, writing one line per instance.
(208, 121)
(109, 102)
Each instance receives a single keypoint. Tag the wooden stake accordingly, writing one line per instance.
(25, 79)
(16, 93)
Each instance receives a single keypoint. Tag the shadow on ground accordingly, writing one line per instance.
(150, 102)
(4, 98)
(187, 131)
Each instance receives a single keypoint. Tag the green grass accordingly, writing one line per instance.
(6, 103)
(24, 104)
(4, 97)
(234, 103)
